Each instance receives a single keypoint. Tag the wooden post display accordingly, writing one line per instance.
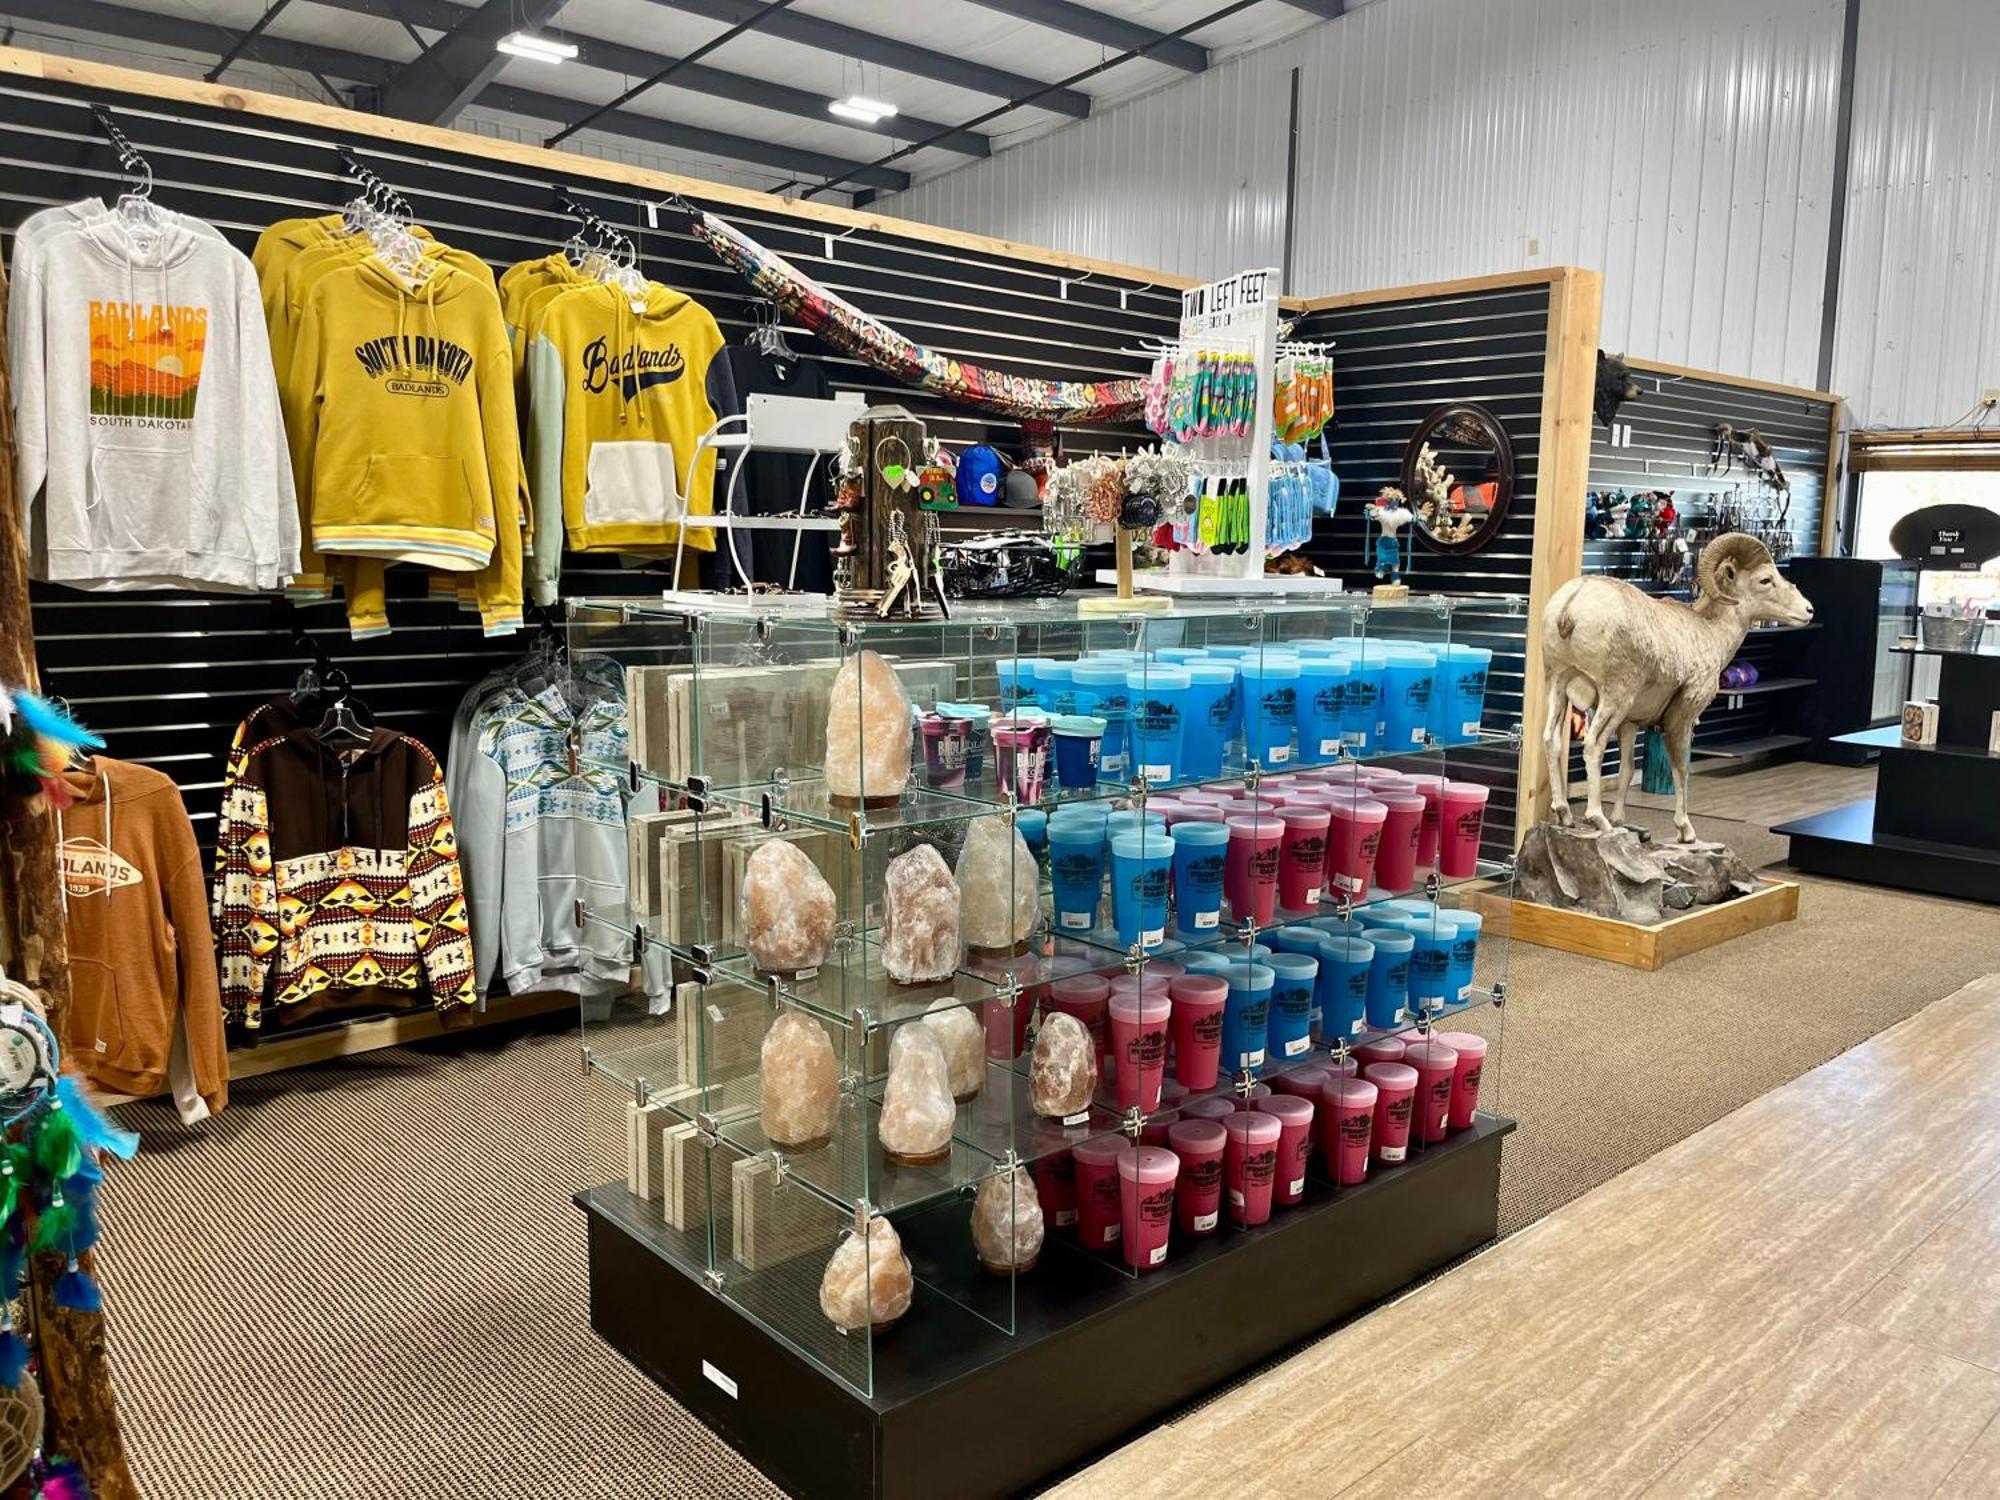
(889, 518)
(72, 1362)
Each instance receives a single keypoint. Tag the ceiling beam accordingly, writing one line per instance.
(185, 34)
(627, 122)
(1106, 30)
(449, 76)
(1326, 10)
(637, 62)
(907, 57)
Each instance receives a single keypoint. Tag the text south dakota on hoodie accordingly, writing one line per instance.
(400, 404)
(149, 444)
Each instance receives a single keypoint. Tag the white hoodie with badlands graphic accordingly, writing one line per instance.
(151, 451)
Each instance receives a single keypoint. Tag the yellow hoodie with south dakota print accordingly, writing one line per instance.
(400, 406)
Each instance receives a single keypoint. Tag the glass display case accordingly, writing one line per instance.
(968, 917)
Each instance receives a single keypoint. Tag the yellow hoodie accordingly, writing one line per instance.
(617, 402)
(400, 406)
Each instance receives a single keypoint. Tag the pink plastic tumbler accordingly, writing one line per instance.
(1461, 813)
(1209, 1107)
(1471, 1050)
(1146, 1201)
(1295, 1119)
(1431, 789)
(1087, 997)
(1250, 1164)
(1055, 1186)
(1382, 1049)
(1302, 855)
(1304, 1083)
(1347, 1127)
(1139, 1042)
(1097, 1196)
(1250, 870)
(1396, 857)
(1198, 1001)
(1436, 1064)
(1395, 1097)
(1355, 835)
(1198, 1143)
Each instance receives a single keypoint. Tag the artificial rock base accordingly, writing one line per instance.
(1622, 875)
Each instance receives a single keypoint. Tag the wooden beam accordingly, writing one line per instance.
(1499, 281)
(282, 1052)
(80, 1407)
(559, 166)
(1741, 382)
(1830, 496)
(1569, 375)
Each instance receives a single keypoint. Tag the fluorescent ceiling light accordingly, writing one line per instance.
(867, 111)
(540, 48)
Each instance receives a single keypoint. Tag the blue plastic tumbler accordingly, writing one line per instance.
(1288, 1031)
(1200, 850)
(1341, 990)
(1297, 938)
(1139, 886)
(1430, 961)
(1322, 707)
(1099, 690)
(1076, 870)
(1055, 685)
(1270, 707)
(1158, 708)
(1466, 926)
(1077, 740)
(1016, 676)
(1406, 697)
(1389, 976)
(1210, 960)
(1361, 709)
(1033, 826)
(1205, 729)
(1458, 695)
(1246, 1015)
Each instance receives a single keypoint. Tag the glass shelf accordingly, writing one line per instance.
(807, 803)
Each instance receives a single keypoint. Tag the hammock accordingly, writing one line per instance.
(872, 341)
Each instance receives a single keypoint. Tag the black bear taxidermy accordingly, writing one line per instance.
(1615, 386)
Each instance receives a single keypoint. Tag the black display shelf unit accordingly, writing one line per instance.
(961, 1409)
(1933, 824)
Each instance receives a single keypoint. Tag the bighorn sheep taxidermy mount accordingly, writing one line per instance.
(1631, 661)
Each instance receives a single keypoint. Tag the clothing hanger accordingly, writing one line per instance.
(135, 206)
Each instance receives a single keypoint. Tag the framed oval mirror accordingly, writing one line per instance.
(1458, 472)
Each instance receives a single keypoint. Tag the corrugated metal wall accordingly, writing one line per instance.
(1918, 338)
(1687, 150)
(1189, 179)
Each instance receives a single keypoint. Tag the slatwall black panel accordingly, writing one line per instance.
(167, 676)
(1673, 421)
(1393, 363)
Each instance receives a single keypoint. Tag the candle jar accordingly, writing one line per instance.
(945, 744)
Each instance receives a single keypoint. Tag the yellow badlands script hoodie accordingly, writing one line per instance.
(617, 402)
(400, 406)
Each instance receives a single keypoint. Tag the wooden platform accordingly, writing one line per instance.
(1650, 947)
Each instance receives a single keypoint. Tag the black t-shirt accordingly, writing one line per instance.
(771, 482)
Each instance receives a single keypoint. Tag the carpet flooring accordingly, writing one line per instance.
(365, 1279)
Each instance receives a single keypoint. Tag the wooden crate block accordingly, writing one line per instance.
(774, 1222)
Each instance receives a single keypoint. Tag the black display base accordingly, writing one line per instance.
(961, 1409)
(1847, 844)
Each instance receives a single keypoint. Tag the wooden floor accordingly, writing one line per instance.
(1801, 1300)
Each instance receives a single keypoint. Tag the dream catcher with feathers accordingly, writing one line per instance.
(37, 743)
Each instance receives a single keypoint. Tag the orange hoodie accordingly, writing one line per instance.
(145, 1011)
